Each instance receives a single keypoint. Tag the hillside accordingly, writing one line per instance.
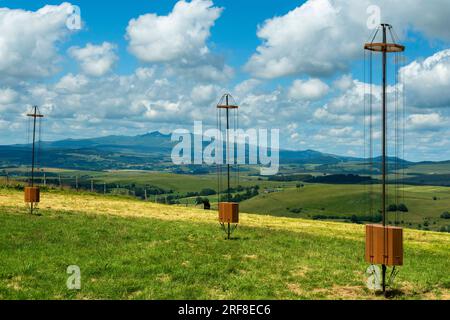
(130, 249)
(330, 201)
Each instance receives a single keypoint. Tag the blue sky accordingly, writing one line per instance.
(107, 21)
(144, 65)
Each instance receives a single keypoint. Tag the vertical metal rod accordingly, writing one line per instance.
(228, 151)
(34, 115)
(229, 231)
(33, 148)
(384, 143)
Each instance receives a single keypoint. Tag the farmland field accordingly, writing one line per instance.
(129, 249)
(180, 183)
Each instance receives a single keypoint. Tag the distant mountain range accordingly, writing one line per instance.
(150, 151)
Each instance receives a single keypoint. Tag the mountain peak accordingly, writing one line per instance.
(155, 134)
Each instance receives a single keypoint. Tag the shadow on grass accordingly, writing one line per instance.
(237, 238)
(392, 294)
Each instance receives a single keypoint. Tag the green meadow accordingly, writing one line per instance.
(129, 249)
(425, 203)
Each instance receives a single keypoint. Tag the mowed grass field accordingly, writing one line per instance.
(128, 249)
(425, 203)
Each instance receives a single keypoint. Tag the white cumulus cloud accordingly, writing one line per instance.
(180, 35)
(321, 37)
(28, 40)
(312, 89)
(428, 81)
(431, 121)
(95, 60)
(8, 95)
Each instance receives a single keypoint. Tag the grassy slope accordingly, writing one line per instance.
(441, 168)
(351, 199)
(132, 250)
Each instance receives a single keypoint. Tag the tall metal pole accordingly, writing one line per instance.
(384, 149)
(34, 115)
(228, 151)
(228, 160)
(32, 152)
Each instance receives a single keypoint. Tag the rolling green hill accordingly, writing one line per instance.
(425, 204)
(128, 249)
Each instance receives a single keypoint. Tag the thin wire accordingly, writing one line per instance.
(374, 34)
(237, 155)
(371, 130)
(38, 163)
(366, 188)
(28, 173)
(403, 131)
(397, 38)
(397, 156)
(387, 157)
(217, 157)
(392, 35)
(236, 149)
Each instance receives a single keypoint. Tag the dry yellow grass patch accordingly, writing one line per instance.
(15, 283)
(296, 289)
(301, 271)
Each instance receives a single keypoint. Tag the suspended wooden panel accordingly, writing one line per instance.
(32, 195)
(381, 47)
(384, 245)
(227, 107)
(228, 212)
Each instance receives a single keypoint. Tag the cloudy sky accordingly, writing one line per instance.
(145, 65)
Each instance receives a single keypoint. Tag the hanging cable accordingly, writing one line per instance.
(403, 129)
(366, 188)
(371, 130)
(28, 173)
(397, 155)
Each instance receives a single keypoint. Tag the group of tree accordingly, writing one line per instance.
(204, 201)
(340, 179)
(203, 192)
(250, 192)
(353, 218)
(290, 178)
(401, 207)
(445, 215)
